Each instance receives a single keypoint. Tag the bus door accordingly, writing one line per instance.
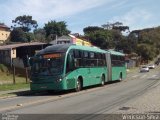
(82, 66)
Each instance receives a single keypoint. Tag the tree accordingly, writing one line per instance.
(98, 36)
(40, 35)
(54, 28)
(25, 22)
(149, 38)
(18, 35)
(92, 29)
(115, 26)
(29, 36)
(147, 52)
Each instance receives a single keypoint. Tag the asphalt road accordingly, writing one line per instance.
(92, 101)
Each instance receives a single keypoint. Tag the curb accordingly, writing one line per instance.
(8, 96)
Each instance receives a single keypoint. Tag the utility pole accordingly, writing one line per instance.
(26, 70)
(13, 68)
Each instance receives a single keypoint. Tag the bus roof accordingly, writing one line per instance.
(65, 47)
(116, 53)
(94, 49)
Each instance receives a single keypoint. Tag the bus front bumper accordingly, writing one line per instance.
(47, 86)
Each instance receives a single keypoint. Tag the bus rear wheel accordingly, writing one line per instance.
(78, 85)
(102, 80)
(120, 77)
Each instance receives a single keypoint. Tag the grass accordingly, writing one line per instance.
(6, 80)
(17, 86)
(133, 69)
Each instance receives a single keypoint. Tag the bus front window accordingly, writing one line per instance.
(48, 66)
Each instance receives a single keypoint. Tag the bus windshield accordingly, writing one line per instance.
(50, 64)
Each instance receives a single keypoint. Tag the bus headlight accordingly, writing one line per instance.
(59, 80)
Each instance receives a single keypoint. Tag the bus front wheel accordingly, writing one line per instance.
(78, 85)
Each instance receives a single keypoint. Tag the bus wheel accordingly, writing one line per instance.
(78, 85)
(102, 80)
(120, 77)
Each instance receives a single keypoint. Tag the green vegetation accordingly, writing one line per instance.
(54, 28)
(13, 87)
(6, 80)
(3, 68)
(132, 70)
(25, 22)
(22, 26)
(144, 42)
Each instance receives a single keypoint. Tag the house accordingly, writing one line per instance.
(14, 54)
(4, 33)
(62, 40)
(70, 39)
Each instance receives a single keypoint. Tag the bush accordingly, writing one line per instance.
(3, 68)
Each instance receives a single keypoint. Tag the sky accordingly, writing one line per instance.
(78, 14)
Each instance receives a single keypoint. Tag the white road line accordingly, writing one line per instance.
(143, 76)
(135, 76)
(153, 76)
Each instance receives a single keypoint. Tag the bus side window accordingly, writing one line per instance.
(92, 59)
(104, 59)
(78, 58)
(81, 58)
(86, 61)
(100, 59)
(70, 62)
(112, 60)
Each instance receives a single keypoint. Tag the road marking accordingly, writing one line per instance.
(154, 76)
(135, 76)
(143, 76)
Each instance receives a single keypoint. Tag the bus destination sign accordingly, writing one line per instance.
(56, 55)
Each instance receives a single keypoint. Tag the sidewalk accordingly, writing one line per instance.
(148, 103)
(13, 91)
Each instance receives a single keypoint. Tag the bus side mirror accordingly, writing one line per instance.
(30, 61)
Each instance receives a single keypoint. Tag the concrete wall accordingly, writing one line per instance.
(131, 63)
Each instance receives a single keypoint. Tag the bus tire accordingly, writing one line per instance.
(120, 77)
(78, 85)
(102, 80)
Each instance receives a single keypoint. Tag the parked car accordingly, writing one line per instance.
(144, 69)
(151, 66)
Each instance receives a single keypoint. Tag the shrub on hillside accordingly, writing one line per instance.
(3, 68)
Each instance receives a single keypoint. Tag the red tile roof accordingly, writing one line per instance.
(4, 26)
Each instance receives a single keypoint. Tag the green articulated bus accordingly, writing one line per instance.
(64, 67)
